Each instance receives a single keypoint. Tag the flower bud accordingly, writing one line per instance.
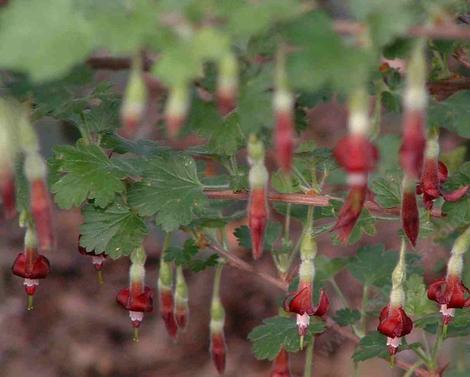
(165, 291)
(96, 259)
(283, 105)
(257, 219)
(255, 149)
(281, 365)
(409, 209)
(135, 99)
(227, 83)
(217, 346)
(181, 300)
(308, 247)
(176, 109)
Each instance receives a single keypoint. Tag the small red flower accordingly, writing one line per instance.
(451, 294)
(96, 259)
(167, 310)
(7, 188)
(41, 209)
(217, 349)
(284, 138)
(435, 174)
(181, 314)
(413, 143)
(300, 302)
(394, 324)
(226, 100)
(281, 365)
(356, 154)
(31, 266)
(137, 299)
(410, 216)
(257, 219)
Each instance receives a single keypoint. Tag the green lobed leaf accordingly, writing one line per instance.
(387, 191)
(346, 316)
(88, 174)
(53, 37)
(171, 190)
(115, 230)
(185, 257)
(280, 332)
(417, 302)
(273, 232)
(371, 345)
(453, 113)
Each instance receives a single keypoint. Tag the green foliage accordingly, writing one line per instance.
(387, 191)
(371, 345)
(171, 189)
(346, 316)
(280, 332)
(116, 230)
(417, 302)
(273, 232)
(185, 257)
(452, 113)
(88, 174)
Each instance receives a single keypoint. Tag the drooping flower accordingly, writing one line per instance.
(96, 259)
(281, 365)
(181, 300)
(138, 298)
(450, 293)
(434, 175)
(31, 266)
(135, 99)
(258, 212)
(394, 323)
(227, 84)
(357, 156)
(409, 209)
(300, 302)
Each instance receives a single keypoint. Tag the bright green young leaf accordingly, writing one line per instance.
(417, 302)
(53, 37)
(280, 332)
(171, 189)
(115, 230)
(88, 174)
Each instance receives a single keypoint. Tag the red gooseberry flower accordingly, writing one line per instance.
(435, 174)
(41, 209)
(300, 302)
(181, 300)
(451, 294)
(284, 128)
(281, 365)
(394, 324)
(227, 84)
(96, 259)
(138, 299)
(166, 298)
(409, 210)
(176, 109)
(257, 219)
(217, 349)
(31, 266)
(217, 346)
(413, 142)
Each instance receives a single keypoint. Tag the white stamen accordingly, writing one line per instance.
(393, 342)
(31, 282)
(357, 179)
(447, 312)
(136, 316)
(97, 260)
(303, 321)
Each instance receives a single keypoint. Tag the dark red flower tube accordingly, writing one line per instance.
(450, 293)
(284, 129)
(41, 209)
(227, 84)
(8, 192)
(181, 300)
(257, 219)
(217, 350)
(176, 109)
(281, 365)
(300, 303)
(413, 142)
(394, 324)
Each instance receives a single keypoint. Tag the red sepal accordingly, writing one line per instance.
(31, 265)
(413, 143)
(356, 154)
(350, 212)
(181, 315)
(218, 350)
(257, 219)
(394, 322)
(135, 299)
(300, 302)
(451, 292)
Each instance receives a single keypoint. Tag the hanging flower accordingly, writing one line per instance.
(281, 365)
(218, 347)
(31, 266)
(434, 175)
(96, 259)
(227, 84)
(409, 210)
(166, 299)
(176, 109)
(181, 300)
(393, 321)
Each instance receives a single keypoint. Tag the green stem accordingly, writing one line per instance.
(365, 300)
(309, 358)
(166, 243)
(437, 346)
(217, 279)
(345, 303)
(217, 187)
(409, 372)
